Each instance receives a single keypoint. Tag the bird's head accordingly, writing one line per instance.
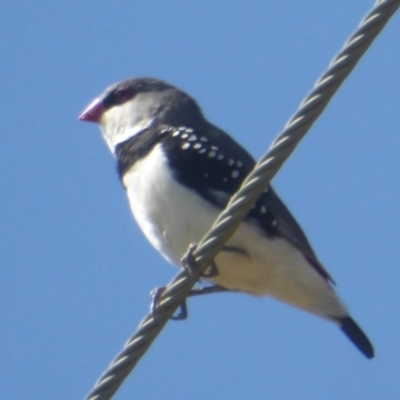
(128, 108)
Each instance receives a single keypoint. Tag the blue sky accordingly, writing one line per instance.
(76, 270)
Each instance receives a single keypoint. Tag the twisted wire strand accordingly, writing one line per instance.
(241, 202)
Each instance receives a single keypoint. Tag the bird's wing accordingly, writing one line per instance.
(208, 161)
(214, 165)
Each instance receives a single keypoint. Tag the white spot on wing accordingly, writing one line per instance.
(185, 146)
(263, 209)
(235, 173)
(231, 162)
(197, 146)
(212, 154)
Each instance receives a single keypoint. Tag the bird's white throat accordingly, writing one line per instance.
(119, 124)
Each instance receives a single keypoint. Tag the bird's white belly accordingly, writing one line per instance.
(172, 217)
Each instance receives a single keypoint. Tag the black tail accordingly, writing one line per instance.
(357, 336)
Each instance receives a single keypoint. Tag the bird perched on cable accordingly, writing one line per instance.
(179, 172)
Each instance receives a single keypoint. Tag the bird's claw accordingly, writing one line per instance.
(155, 294)
(189, 264)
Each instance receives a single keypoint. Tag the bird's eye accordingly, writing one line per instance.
(121, 95)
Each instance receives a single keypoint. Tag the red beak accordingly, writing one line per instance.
(93, 112)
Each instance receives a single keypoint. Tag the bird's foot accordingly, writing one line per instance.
(189, 264)
(182, 312)
(208, 290)
(155, 294)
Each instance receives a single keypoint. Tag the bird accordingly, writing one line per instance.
(179, 171)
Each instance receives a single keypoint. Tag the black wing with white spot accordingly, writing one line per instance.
(207, 161)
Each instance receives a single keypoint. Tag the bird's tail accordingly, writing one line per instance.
(357, 336)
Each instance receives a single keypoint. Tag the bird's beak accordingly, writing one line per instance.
(93, 112)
